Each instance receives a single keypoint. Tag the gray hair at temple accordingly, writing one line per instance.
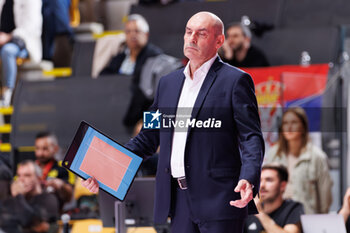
(140, 21)
(37, 169)
(48, 134)
(245, 29)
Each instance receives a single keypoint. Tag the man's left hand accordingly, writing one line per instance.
(258, 204)
(246, 191)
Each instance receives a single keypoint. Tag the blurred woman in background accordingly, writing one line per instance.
(310, 182)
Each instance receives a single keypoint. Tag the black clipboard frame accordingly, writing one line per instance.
(75, 145)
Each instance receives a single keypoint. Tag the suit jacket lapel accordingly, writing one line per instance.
(208, 81)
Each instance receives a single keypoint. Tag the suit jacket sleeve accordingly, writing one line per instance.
(246, 116)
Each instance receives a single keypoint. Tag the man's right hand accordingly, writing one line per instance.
(17, 187)
(91, 184)
(227, 51)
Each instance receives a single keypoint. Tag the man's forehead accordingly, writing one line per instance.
(197, 29)
(199, 26)
(234, 29)
(201, 19)
(44, 140)
(269, 172)
(131, 25)
(26, 169)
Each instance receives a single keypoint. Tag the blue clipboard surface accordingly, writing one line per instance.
(92, 153)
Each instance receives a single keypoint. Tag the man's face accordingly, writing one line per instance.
(26, 175)
(135, 38)
(201, 41)
(45, 150)
(271, 187)
(235, 38)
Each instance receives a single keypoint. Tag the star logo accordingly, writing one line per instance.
(151, 120)
(156, 115)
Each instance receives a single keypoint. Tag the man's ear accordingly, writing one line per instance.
(220, 41)
(56, 148)
(147, 38)
(247, 42)
(283, 186)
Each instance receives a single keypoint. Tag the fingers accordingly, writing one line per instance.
(84, 183)
(246, 192)
(256, 200)
(241, 203)
(91, 184)
(238, 203)
(239, 186)
(95, 187)
(258, 203)
(242, 185)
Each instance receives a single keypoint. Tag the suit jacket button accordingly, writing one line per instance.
(166, 170)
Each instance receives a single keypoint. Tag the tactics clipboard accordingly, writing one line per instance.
(92, 153)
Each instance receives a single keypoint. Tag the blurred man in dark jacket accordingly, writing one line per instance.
(30, 208)
(130, 61)
(238, 50)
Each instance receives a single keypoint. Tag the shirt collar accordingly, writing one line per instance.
(127, 51)
(202, 70)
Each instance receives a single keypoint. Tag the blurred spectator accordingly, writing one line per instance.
(238, 50)
(130, 61)
(310, 182)
(30, 209)
(275, 213)
(56, 22)
(55, 177)
(345, 209)
(20, 36)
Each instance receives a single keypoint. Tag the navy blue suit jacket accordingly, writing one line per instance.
(215, 159)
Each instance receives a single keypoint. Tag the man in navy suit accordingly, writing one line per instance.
(209, 172)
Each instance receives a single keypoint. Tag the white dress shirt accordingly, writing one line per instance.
(128, 66)
(187, 99)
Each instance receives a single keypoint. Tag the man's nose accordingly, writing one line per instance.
(262, 184)
(193, 38)
(38, 153)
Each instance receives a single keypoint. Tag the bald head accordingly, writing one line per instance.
(214, 20)
(203, 37)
